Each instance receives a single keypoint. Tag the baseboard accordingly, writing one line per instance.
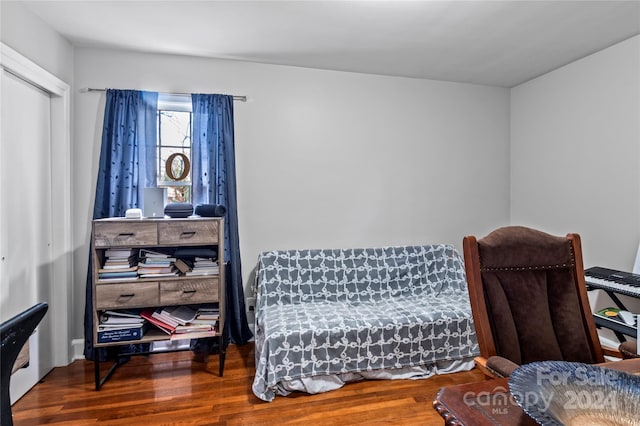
(77, 346)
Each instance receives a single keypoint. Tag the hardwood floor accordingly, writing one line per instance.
(175, 388)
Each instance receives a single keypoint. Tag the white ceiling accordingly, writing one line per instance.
(501, 43)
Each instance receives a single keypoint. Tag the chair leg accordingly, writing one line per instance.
(5, 415)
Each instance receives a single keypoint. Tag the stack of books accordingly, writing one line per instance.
(204, 266)
(153, 264)
(119, 265)
(197, 266)
(208, 314)
(179, 322)
(120, 326)
(197, 261)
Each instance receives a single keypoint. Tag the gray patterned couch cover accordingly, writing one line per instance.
(346, 312)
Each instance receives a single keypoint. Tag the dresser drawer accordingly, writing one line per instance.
(188, 232)
(189, 291)
(125, 234)
(133, 295)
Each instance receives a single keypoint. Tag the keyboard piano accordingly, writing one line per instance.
(612, 280)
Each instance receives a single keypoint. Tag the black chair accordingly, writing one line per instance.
(15, 332)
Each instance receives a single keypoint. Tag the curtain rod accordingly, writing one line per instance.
(235, 98)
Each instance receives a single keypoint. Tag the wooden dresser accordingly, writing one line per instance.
(162, 235)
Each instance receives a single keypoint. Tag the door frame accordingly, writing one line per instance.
(62, 252)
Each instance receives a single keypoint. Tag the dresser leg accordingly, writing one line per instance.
(96, 369)
(223, 352)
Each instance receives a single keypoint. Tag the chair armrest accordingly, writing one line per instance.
(495, 367)
(626, 350)
(481, 363)
(612, 352)
(501, 366)
(629, 350)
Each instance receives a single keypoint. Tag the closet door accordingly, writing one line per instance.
(25, 218)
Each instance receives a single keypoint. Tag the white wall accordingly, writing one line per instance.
(575, 153)
(575, 159)
(43, 56)
(325, 158)
(28, 34)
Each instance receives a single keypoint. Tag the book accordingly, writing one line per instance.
(208, 312)
(106, 327)
(204, 266)
(131, 314)
(193, 335)
(183, 265)
(191, 327)
(209, 322)
(182, 314)
(160, 315)
(171, 274)
(120, 260)
(106, 319)
(151, 254)
(120, 334)
(119, 252)
(144, 269)
(207, 317)
(122, 325)
(118, 268)
(198, 272)
(117, 279)
(117, 274)
(155, 263)
(148, 315)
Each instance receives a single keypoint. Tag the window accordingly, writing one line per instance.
(174, 146)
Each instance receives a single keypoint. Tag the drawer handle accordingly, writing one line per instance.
(188, 291)
(127, 296)
(126, 234)
(188, 234)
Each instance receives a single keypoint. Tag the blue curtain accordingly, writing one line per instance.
(127, 165)
(214, 182)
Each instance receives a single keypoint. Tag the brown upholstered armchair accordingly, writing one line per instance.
(529, 300)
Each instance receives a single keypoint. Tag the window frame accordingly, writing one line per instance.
(174, 103)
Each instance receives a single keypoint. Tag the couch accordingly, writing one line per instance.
(326, 317)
